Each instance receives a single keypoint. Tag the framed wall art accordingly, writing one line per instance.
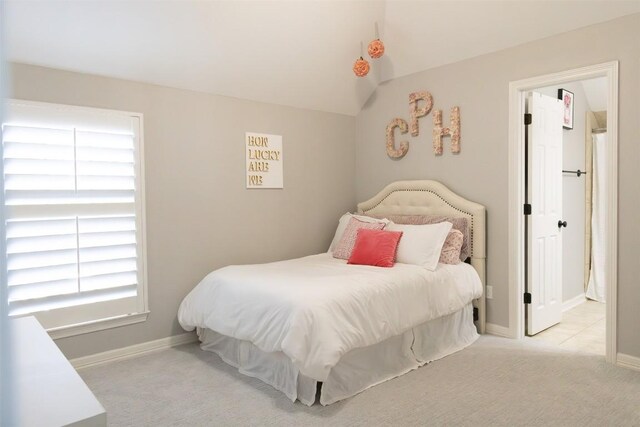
(264, 160)
(567, 102)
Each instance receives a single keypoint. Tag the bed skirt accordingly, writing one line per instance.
(357, 370)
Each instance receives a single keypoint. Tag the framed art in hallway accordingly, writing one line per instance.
(567, 101)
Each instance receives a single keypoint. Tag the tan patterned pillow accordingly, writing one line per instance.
(451, 249)
(459, 223)
(348, 241)
(342, 225)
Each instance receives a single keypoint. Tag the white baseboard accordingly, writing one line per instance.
(626, 361)
(133, 351)
(573, 302)
(498, 330)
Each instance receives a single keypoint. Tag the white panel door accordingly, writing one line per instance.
(544, 242)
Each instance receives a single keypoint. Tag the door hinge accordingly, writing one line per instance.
(527, 118)
(527, 209)
(527, 298)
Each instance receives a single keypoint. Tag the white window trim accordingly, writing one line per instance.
(97, 325)
(143, 304)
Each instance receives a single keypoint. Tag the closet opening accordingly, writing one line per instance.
(563, 209)
(565, 179)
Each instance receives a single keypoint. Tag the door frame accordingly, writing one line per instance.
(516, 156)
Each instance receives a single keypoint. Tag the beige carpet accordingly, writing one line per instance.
(494, 382)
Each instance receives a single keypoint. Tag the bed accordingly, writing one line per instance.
(317, 328)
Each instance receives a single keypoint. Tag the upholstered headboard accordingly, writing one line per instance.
(433, 198)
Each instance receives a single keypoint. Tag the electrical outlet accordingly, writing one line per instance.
(489, 292)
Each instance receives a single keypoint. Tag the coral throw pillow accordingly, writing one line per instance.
(451, 250)
(348, 240)
(375, 247)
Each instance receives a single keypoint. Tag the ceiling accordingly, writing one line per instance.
(296, 53)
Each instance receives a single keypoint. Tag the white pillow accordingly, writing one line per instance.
(342, 225)
(421, 244)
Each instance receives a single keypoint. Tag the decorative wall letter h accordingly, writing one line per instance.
(453, 131)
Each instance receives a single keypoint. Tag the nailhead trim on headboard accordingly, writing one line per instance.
(441, 198)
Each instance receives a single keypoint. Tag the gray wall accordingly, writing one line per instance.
(480, 87)
(199, 214)
(573, 192)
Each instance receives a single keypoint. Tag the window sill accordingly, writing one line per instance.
(97, 325)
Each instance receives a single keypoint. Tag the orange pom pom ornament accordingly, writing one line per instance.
(361, 67)
(376, 49)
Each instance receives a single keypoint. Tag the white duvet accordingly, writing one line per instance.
(317, 308)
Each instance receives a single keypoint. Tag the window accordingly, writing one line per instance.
(73, 186)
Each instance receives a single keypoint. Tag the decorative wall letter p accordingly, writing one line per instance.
(453, 131)
(404, 145)
(415, 113)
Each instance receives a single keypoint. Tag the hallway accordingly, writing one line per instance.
(582, 329)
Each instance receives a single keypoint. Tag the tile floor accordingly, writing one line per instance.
(582, 329)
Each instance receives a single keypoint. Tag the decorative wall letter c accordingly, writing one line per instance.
(415, 113)
(404, 145)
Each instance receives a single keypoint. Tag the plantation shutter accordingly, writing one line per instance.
(72, 214)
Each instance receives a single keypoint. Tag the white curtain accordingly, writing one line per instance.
(596, 287)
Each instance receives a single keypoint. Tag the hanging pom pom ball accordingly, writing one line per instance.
(376, 49)
(361, 67)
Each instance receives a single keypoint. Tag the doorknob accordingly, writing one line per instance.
(562, 224)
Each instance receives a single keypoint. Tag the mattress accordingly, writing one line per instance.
(315, 310)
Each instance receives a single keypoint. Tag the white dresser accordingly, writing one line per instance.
(48, 390)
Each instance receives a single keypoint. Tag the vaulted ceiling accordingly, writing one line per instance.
(296, 53)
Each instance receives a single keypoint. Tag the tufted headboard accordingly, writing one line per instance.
(426, 197)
